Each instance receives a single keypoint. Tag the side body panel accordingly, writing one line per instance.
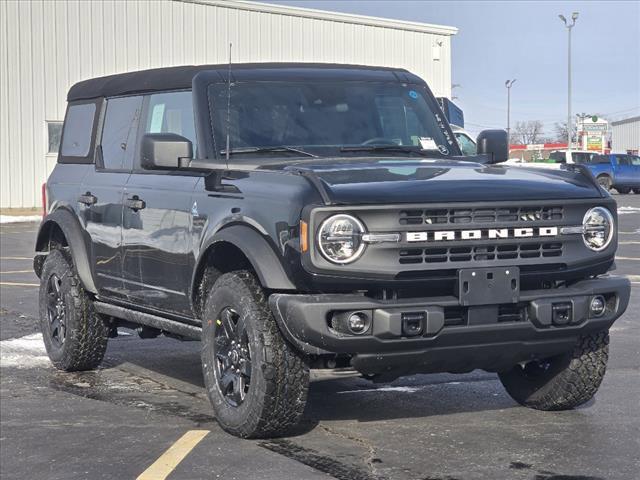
(103, 223)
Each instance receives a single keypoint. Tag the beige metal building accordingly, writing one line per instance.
(625, 135)
(46, 46)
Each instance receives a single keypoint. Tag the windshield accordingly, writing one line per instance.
(325, 117)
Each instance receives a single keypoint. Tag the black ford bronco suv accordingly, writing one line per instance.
(298, 216)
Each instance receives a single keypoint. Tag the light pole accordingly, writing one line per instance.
(455, 85)
(574, 17)
(509, 84)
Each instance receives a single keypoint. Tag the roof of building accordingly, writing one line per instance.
(177, 78)
(626, 120)
(315, 14)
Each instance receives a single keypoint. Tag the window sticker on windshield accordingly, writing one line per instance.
(156, 118)
(413, 94)
(427, 143)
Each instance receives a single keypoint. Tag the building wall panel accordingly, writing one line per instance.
(625, 135)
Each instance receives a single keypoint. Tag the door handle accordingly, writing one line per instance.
(135, 203)
(88, 199)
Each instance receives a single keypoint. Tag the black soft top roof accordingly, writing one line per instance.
(176, 78)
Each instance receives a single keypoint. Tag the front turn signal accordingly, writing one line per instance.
(304, 236)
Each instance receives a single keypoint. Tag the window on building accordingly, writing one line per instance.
(54, 132)
(119, 132)
(78, 127)
(171, 113)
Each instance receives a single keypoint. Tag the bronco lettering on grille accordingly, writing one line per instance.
(481, 234)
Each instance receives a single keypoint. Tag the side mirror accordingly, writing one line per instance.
(161, 151)
(494, 144)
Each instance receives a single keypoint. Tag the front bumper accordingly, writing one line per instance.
(478, 339)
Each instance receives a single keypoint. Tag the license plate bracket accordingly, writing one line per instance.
(488, 286)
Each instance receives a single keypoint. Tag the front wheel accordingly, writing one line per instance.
(562, 382)
(636, 191)
(255, 381)
(623, 190)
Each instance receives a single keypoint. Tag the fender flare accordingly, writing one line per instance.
(260, 254)
(73, 232)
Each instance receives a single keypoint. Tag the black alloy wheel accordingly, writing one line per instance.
(233, 357)
(74, 335)
(56, 311)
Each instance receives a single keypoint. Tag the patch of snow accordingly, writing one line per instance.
(386, 389)
(623, 210)
(20, 218)
(24, 352)
(396, 389)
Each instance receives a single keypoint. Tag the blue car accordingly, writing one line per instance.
(616, 170)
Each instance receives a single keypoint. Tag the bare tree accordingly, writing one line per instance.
(560, 130)
(528, 132)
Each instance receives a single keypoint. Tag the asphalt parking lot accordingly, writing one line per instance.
(116, 422)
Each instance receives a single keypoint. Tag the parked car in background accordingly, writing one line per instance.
(571, 156)
(465, 141)
(617, 170)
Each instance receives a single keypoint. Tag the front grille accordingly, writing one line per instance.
(445, 216)
(480, 253)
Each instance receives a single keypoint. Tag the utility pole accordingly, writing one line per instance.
(574, 17)
(509, 84)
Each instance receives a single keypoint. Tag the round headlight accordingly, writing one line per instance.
(340, 238)
(597, 228)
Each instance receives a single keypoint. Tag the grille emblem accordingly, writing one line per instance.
(481, 234)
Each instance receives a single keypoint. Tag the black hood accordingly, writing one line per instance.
(359, 181)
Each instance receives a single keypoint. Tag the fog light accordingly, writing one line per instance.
(358, 322)
(598, 305)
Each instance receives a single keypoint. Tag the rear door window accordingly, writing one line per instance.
(119, 132)
(78, 131)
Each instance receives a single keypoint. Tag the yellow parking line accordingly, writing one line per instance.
(16, 258)
(169, 460)
(17, 284)
(16, 271)
(629, 243)
(628, 258)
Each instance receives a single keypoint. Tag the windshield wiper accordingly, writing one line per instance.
(392, 148)
(280, 148)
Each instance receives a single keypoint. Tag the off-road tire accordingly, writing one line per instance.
(605, 182)
(277, 392)
(86, 335)
(569, 380)
(623, 190)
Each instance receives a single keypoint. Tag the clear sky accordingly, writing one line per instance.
(500, 40)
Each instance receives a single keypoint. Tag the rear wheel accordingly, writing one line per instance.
(636, 191)
(74, 335)
(605, 182)
(623, 190)
(562, 382)
(255, 381)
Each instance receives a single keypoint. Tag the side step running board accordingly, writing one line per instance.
(148, 320)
